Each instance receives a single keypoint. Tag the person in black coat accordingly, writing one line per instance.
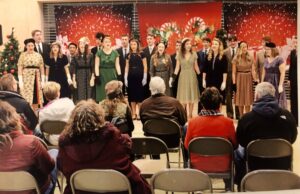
(8, 93)
(40, 47)
(148, 52)
(123, 51)
(174, 60)
(293, 84)
(266, 120)
(99, 38)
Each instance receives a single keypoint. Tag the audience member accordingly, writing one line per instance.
(211, 123)
(161, 106)
(266, 120)
(89, 142)
(24, 152)
(8, 93)
(116, 109)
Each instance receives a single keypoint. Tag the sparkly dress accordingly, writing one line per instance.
(163, 69)
(31, 64)
(272, 75)
(107, 71)
(188, 90)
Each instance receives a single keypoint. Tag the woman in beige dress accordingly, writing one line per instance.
(188, 90)
(243, 72)
(31, 74)
(161, 65)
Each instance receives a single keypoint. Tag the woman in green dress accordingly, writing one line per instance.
(107, 68)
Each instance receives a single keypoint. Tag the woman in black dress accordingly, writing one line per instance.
(83, 76)
(135, 76)
(57, 69)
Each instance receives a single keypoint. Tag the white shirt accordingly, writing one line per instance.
(151, 49)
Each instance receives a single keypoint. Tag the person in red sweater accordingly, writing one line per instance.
(20, 152)
(211, 123)
(89, 142)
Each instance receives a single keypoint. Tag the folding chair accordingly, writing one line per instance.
(270, 180)
(99, 181)
(181, 180)
(213, 146)
(150, 146)
(17, 181)
(52, 128)
(269, 149)
(168, 131)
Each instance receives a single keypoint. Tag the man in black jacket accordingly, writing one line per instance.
(266, 121)
(123, 51)
(40, 46)
(8, 93)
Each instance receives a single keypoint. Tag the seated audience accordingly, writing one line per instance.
(90, 142)
(57, 109)
(211, 123)
(161, 106)
(24, 152)
(116, 109)
(266, 120)
(8, 93)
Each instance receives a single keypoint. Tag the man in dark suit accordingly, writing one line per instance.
(98, 37)
(149, 51)
(40, 46)
(230, 53)
(206, 42)
(123, 51)
(173, 59)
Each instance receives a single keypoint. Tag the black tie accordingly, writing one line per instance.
(39, 49)
(233, 53)
(125, 52)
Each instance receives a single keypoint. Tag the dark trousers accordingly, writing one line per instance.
(228, 100)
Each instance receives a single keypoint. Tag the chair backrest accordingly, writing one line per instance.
(270, 180)
(17, 181)
(149, 146)
(52, 127)
(99, 181)
(210, 146)
(162, 127)
(269, 148)
(181, 180)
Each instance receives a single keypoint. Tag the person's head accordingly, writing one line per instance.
(265, 40)
(157, 85)
(113, 90)
(83, 45)
(134, 45)
(29, 44)
(150, 40)
(86, 118)
(106, 42)
(217, 45)
(72, 48)
(232, 41)
(271, 50)
(8, 83)
(51, 90)
(55, 50)
(206, 42)
(99, 38)
(211, 99)
(186, 46)
(9, 120)
(178, 45)
(264, 89)
(161, 48)
(243, 47)
(37, 35)
(294, 43)
(125, 40)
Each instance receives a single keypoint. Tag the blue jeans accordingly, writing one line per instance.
(53, 154)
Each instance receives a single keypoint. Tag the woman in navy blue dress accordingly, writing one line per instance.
(57, 69)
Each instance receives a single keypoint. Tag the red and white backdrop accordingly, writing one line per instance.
(176, 21)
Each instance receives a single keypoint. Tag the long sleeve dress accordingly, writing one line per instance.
(31, 64)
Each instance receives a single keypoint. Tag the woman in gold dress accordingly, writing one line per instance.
(31, 74)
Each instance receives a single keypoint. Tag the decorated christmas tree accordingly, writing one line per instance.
(10, 56)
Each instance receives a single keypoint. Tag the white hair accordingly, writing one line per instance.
(263, 89)
(157, 85)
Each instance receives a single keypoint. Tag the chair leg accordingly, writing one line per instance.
(179, 156)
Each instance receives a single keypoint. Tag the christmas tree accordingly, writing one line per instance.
(10, 56)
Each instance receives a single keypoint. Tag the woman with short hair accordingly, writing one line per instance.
(89, 142)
